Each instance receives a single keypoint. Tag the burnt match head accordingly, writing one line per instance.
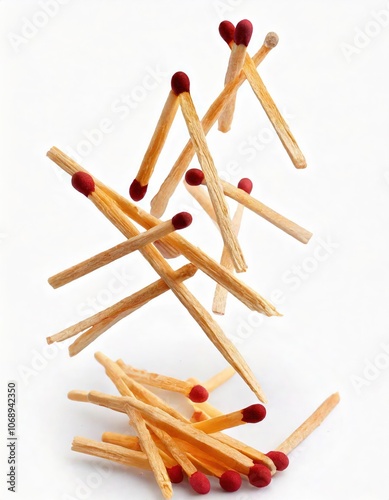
(253, 414)
(246, 185)
(194, 177)
(180, 83)
(83, 182)
(137, 192)
(200, 483)
(280, 460)
(182, 220)
(198, 394)
(227, 31)
(259, 476)
(230, 481)
(243, 32)
(271, 40)
(175, 474)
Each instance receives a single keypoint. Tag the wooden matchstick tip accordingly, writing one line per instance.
(227, 31)
(83, 182)
(137, 191)
(243, 32)
(194, 177)
(230, 481)
(182, 220)
(259, 476)
(200, 483)
(175, 473)
(280, 460)
(180, 83)
(198, 394)
(271, 40)
(253, 414)
(245, 184)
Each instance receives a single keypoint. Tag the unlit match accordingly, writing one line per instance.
(252, 414)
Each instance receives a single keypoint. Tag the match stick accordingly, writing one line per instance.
(201, 196)
(252, 414)
(147, 444)
(197, 480)
(125, 306)
(161, 199)
(196, 177)
(307, 427)
(219, 379)
(139, 185)
(195, 392)
(220, 295)
(241, 37)
(181, 87)
(270, 108)
(179, 221)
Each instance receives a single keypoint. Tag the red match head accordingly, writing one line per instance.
(194, 177)
(175, 474)
(259, 475)
(83, 182)
(137, 191)
(200, 483)
(182, 220)
(253, 414)
(246, 185)
(198, 394)
(243, 32)
(227, 30)
(230, 481)
(280, 460)
(180, 83)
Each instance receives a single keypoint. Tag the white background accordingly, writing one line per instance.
(331, 82)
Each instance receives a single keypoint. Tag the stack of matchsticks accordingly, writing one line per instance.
(167, 442)
(174, 446)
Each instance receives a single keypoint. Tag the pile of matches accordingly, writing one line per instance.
(168, 442)
(172, 445)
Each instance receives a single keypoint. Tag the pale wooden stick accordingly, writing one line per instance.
(92, 334)
(307, 427)
(231, 457)
(125, 440)
(202, 198)
(146, 442)
(119, 454)
(219, 379)
(146, 169)
(244, 293)
(216, 195)
(81, 396)
(255, 413)
(161, 199)
(203, 460)
(112, 254)
(124, 307)
(186, 388)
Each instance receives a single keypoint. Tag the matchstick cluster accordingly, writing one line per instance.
(167, 442)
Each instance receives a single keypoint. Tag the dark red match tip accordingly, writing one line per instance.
(182, 220)
(180, 83)
(83, 182)
(175, 473)
(243, 32)
(198, 394)
(137, 191)
(246, 185)
(200, 483)
(230, 481)
(253, 414)
(227, 31)
(280, 460)
(259, 475)
(194, 177)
